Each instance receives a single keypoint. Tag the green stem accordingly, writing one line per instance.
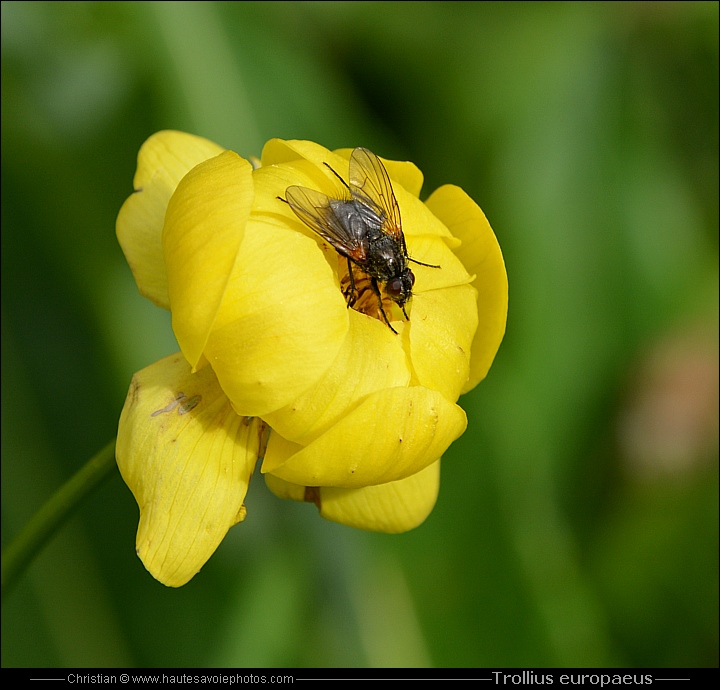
(21, 551)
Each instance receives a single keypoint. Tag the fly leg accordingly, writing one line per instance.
(376, 290)
(352, 293)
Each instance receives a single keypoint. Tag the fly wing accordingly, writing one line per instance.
(315, 209)
(370, 184)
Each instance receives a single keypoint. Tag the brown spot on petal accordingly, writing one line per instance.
(134, 392)
(263, 438)
(179, 397)
(188, 405)
(181, 402)
(312, 495)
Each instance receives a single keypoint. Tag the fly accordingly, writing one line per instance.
(364, 226)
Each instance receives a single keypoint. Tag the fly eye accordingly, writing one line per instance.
(394, 288)
(411, 277)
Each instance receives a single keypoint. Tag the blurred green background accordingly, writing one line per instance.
(577, 522)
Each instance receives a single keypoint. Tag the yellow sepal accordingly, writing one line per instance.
(390, 435)
(164, 159)
(392, 508)
(370, 359)
(187, 458)
(204, 228)
(480, 254)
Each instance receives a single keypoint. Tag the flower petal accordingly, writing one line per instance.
(286, 490)
(441, 334)
(163, 160)
(418, 220)
(282, 322)
(370, 359)
(481, 255)
(277, 151)
(391, 435)
(204, 228)
(392, 508)
(187, 458)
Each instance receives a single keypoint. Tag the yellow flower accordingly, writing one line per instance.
(360, 415)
